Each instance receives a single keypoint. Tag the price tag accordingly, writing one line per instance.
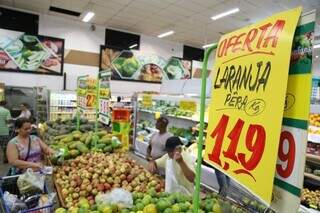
(188, 106)
(82, 102)
(247, 107)
(147, 100)
(104, 106)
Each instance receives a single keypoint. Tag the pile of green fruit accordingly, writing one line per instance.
(168, 108)
(153, 202)
(71, 145)
(182, 132)
(65, 126)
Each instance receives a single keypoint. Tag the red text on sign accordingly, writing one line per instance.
(289, 156)
(254, 142)
(256, 39)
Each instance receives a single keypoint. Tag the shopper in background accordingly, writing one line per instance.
(5, 116)
(223, 181)
(118, 104)
(179, 167)
(156, 148)
(25, 150)
(25, 113)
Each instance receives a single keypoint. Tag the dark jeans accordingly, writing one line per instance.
(223, 181)
(4, 139)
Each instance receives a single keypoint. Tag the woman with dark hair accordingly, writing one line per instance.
(25, 150)
(25, 113)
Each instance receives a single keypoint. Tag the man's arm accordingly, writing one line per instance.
(154, 165)
(149, 152)
(188, 173)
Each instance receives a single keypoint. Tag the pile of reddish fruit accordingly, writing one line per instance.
(93, 173)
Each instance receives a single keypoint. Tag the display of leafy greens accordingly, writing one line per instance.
(126, 64)
(169, 108)
(27, 52)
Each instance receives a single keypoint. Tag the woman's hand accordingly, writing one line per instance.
(50, 151)
(37, 166)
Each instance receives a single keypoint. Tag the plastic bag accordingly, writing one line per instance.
(31, 182)
(117, 196)
(45, 200)
(13, 202)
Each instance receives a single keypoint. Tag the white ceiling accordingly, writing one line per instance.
(190, 19)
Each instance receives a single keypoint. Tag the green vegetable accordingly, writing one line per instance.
(82, 148)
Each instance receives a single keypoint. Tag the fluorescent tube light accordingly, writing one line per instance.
(229, 12)
(165, 34)
(133, 45)
(88, 16)
(316, 46)
(207, 45)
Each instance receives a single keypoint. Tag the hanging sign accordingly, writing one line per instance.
(82, 87)
(293, 138)
(104, 97)
(188, 105)
(147, 100)
(249, 87)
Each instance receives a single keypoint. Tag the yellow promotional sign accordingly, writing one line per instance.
(147, 100)
(289, 178)
(249, 87)
(188, 105)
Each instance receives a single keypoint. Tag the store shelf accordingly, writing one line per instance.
(315, 108)
(312, 176)
(63, 112)
(313, 158)
(172, 116)
(315, 138)
(304, 209)
(63, 106)
(197, 129)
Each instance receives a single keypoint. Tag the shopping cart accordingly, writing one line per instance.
(9, 184)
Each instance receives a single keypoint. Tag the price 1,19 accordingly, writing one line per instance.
(254, 141)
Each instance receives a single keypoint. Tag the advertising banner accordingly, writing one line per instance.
(293, 139)
(249, 88)
(132, 65)
(20, 52)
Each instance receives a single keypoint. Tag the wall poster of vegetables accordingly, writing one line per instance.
(24, 53)
(301, 57)
(135, 65)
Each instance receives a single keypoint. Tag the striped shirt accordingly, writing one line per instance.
(4, 116)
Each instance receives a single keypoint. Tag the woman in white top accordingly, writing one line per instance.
(25, 113)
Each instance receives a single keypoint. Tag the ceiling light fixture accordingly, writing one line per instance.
(316, 46)
(88, 16)
(166, 34)
(227, 13)
(132, 46)
(207, 45)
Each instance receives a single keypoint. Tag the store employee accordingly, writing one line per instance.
(156, 148)
(179, 168)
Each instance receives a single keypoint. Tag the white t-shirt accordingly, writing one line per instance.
(25, 114)
(176, 181)
(158, 144)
